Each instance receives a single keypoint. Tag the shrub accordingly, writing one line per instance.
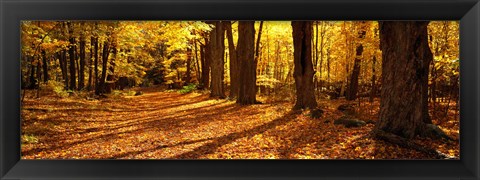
(57, 88)
(188, 88)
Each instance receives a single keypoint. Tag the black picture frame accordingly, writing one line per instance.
(13, 11)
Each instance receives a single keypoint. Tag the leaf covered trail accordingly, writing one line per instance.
(170, 125)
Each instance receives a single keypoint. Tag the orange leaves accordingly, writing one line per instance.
(169, 125)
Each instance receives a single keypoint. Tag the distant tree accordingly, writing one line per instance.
(95, 57)
(81, 77)
(71, 55)
(353, 86)
(45, 66)
(90, 63)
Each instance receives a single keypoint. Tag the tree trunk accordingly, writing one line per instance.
(353, 86)
(32, 81)
(105, 52)
(374, 78)
(234, 63)
(71, 54)
(96, 64)
(109, 84)
(205, 60)
(257, 46)
(246, 58)
(405, 59)
(77, 64)
(188, 77)
(328, 65)
(81, 76)
(45, 66)
(197, 64)
(63, 62)
(303, 70)
(322, 40)
(216, 51)
(90, 62)
(39, 77)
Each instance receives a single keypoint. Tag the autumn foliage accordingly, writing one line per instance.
(235, 90)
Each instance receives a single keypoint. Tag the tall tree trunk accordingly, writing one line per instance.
(328, 65)
(32, 81)
(188, 77)
(45, 66)
(105, 53)
(90, 62)
(197, 63)
(205, 60)
(39, 77)
(71, 54)
(96, 64)
(405, 59)
(77, 63)
(217, 47)
(81, 76)
(63, 63)
(353, 83)
(257, 45)
(234, 63)
(303, 70)
(374, 78)
(257, 52)
(246, 58)
(353, 86)
(109, 84)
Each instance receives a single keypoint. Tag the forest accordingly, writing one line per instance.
(240, 90)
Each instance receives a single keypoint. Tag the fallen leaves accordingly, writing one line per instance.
(169, 125)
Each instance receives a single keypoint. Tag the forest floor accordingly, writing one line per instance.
(163, 124)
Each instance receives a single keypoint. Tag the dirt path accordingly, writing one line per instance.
(170, 125)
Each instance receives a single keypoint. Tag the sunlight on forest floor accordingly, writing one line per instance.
(170, 125)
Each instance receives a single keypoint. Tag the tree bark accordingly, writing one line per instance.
(81, 76)
(32, 81)
(39, 78)
(374, 79)
(405, 62)
(217, 47)
(96, 63)
(246, 58)
(197, 63)
(63, 63)
(105, 53)
(90, 62)
(45, 66)
(303, 70)
(234, 63)
(257, 45)
(188, 77)
(71, 54)
(353, 86)
(205, 60)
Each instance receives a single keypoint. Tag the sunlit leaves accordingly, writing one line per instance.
(160, 125)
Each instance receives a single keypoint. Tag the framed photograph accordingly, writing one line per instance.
(239, 89)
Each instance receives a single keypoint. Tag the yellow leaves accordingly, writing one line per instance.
(358, 148)
(159, 125)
